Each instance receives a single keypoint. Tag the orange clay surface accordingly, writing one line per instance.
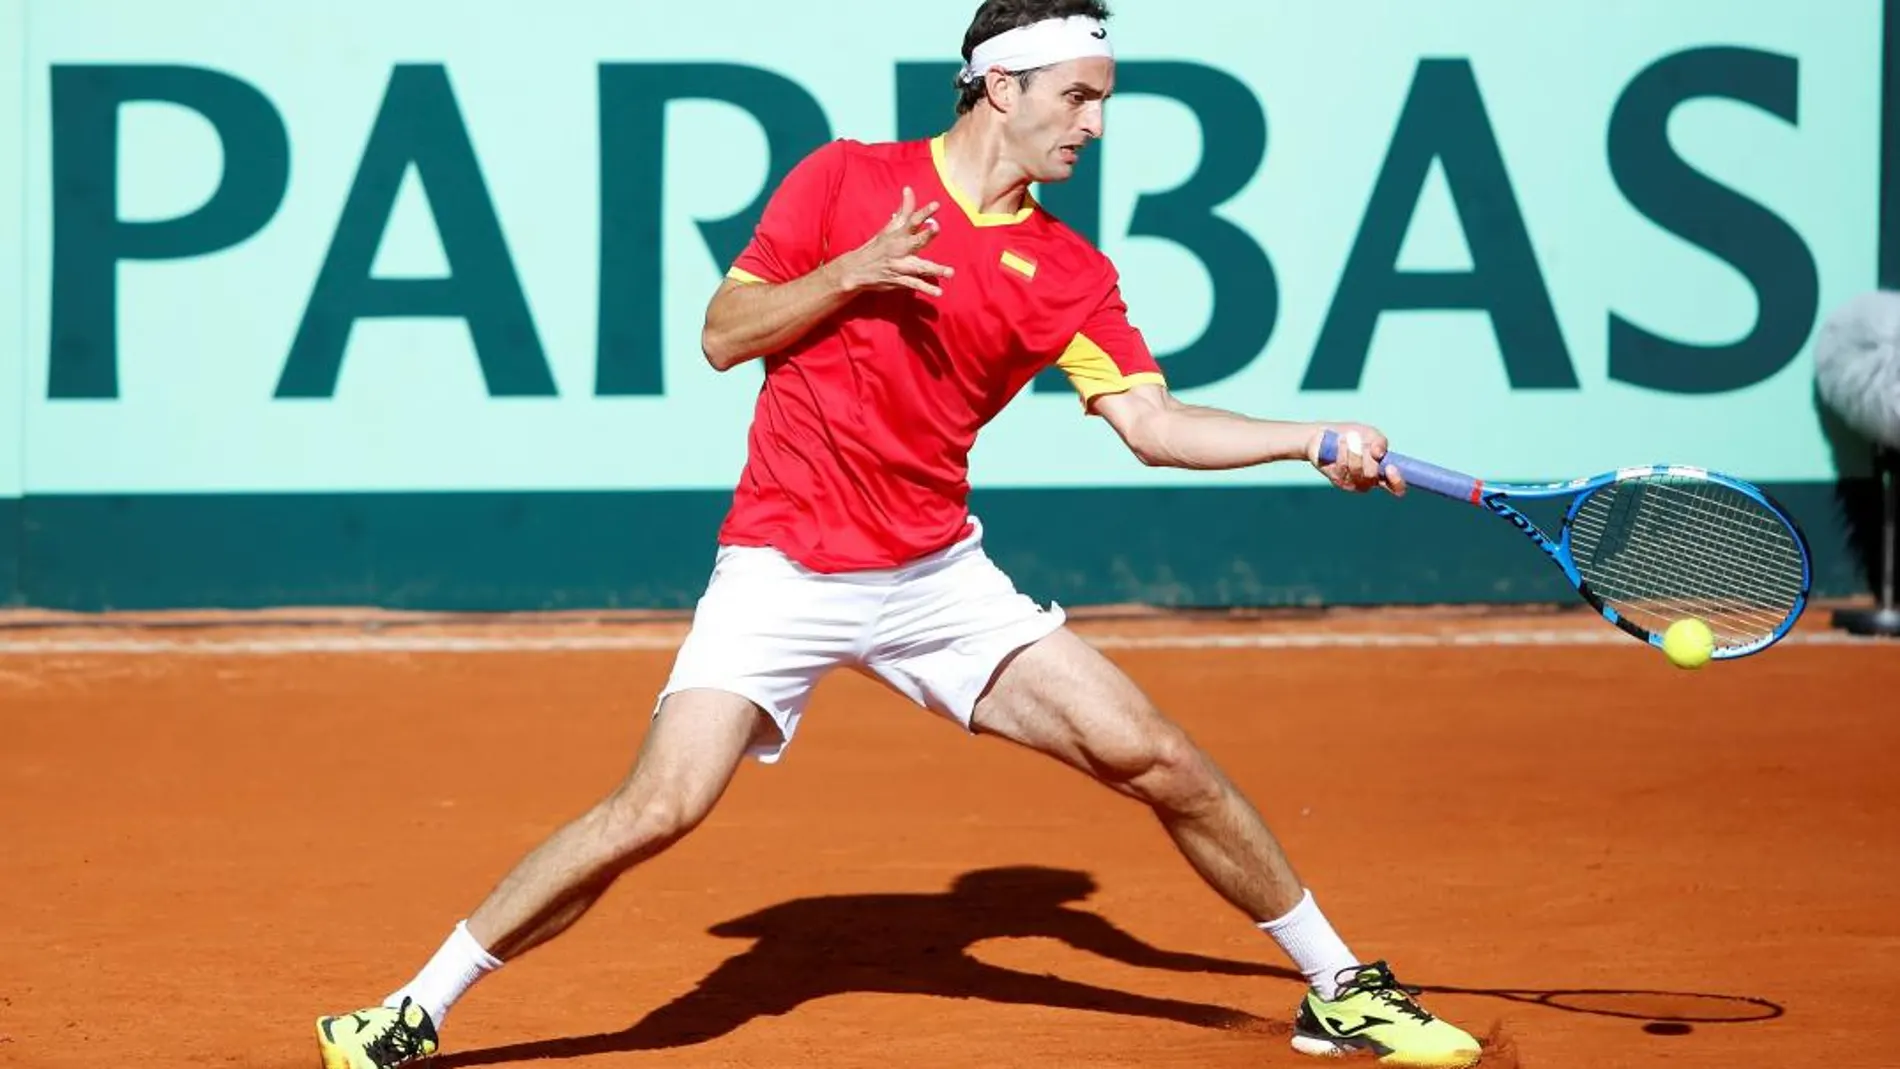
(202, 848)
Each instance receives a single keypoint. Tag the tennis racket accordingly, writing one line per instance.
(1649, 546)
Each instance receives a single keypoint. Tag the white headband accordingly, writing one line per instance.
(1039, 44)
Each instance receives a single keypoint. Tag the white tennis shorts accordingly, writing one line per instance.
(768, 629)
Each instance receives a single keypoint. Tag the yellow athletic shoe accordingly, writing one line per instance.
(1374, 1013)
(377, 1038)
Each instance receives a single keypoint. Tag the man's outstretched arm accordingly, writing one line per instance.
(1164, 431)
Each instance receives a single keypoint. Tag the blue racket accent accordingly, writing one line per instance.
(1647, 546)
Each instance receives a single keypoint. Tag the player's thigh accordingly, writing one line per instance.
(694, 744)
(1062, 697)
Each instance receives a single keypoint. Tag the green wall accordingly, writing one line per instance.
(485, 551)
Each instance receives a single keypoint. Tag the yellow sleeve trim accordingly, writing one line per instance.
(746, 277)
(1093, 372)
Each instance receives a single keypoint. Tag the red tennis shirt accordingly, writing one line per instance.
(858, 455)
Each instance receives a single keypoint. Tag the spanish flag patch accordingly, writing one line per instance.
(1027, 268)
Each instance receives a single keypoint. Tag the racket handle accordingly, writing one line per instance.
(1417, 473)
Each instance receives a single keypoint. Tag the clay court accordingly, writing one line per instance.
(215, 833)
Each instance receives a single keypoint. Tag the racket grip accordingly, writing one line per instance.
(1417, 473)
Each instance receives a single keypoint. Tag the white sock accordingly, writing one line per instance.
(452, 971)
(1308, 938)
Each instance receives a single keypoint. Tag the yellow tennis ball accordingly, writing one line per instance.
(1688, 643)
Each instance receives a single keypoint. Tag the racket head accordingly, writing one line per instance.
(1648, 546)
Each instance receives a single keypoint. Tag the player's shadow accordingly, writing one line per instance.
(919, 944)
(911, 944)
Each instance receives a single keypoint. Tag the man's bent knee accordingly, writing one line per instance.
(1174, 776)
(697, 739)
(634, 823)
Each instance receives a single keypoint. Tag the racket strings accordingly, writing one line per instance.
(1660, 548)
(1747, 565)
(1741, 584)
(1731, 579)
(1744, 562)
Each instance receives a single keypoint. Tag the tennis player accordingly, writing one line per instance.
(900, 295)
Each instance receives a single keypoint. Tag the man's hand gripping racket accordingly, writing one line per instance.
(1357, 466)
(1647, 547)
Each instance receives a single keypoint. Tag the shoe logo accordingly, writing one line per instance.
(1340, 1029)
(1099, 35)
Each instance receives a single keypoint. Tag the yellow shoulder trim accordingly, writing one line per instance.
(746, 277)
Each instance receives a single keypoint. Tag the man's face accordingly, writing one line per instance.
(1057, 115)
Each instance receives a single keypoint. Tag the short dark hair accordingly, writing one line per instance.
(1001, 16)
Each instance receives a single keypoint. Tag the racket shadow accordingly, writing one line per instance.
(1684, 1007)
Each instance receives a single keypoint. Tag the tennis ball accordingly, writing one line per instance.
(1688, 643)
